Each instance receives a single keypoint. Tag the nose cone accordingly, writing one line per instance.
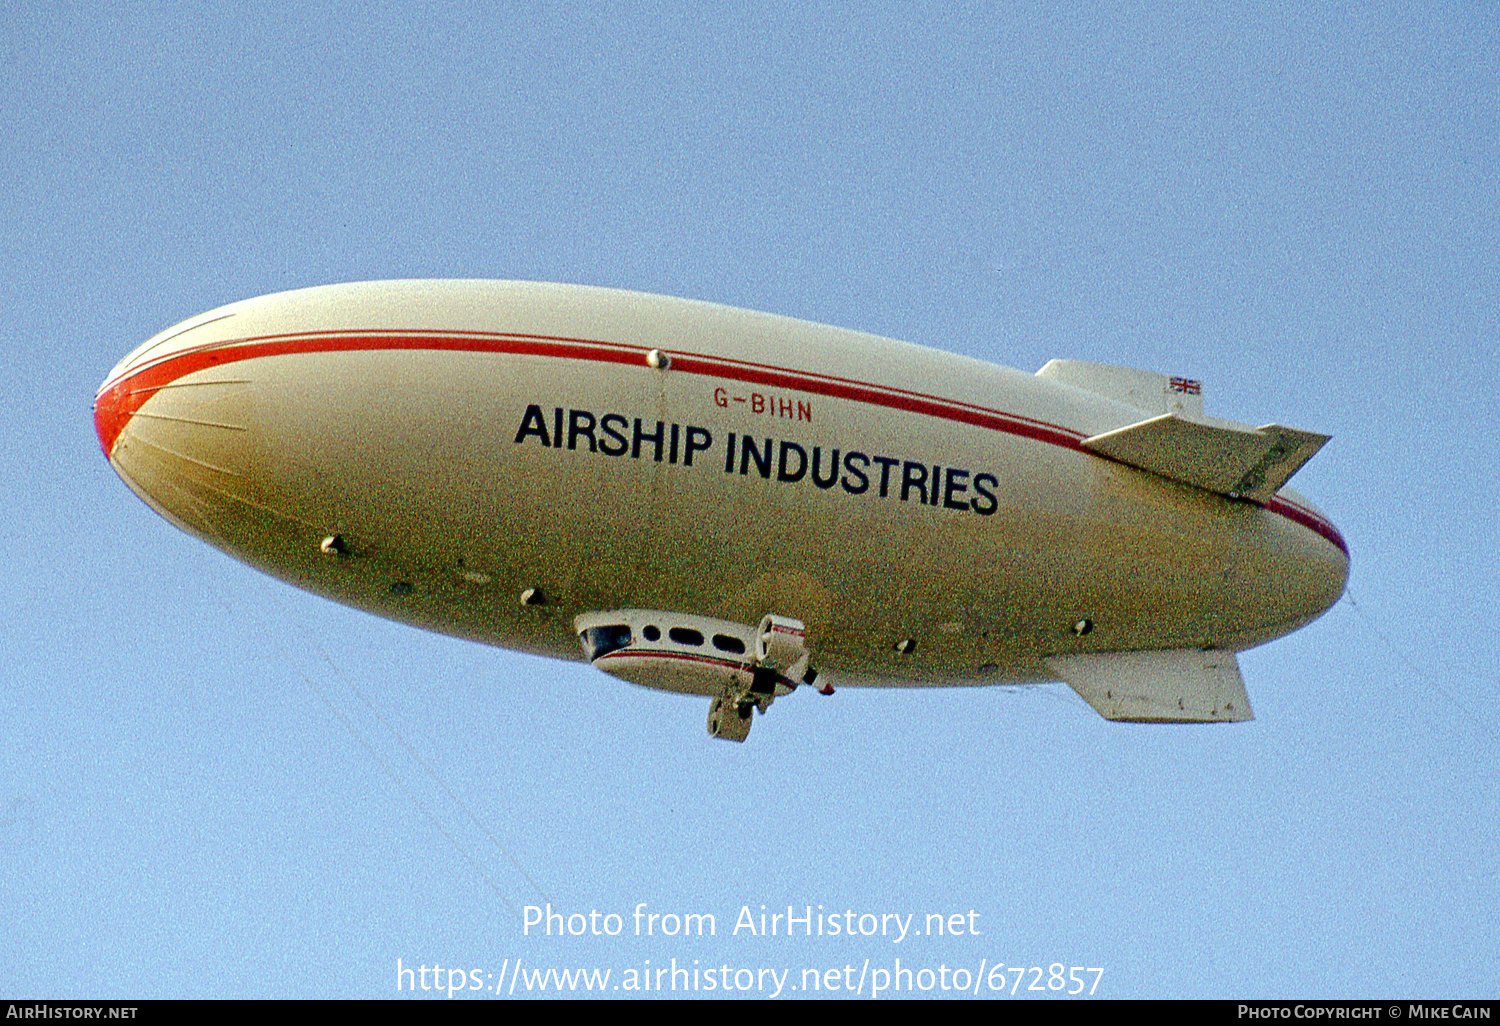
(112, 412)
(127, 388)
(175, 424)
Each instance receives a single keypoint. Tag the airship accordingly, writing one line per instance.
(725, 503)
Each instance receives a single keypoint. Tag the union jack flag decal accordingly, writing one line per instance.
(1187, 386)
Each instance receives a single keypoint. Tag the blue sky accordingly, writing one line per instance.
(211, 785)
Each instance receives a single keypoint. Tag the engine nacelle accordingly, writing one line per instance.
(780, 642)
(744, 669)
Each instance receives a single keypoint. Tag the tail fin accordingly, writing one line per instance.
(1181, 685)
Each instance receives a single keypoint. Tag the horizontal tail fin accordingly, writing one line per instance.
(1248, 464)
